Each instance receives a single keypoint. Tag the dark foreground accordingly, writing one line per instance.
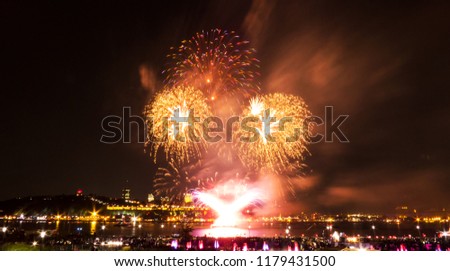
(15, 241)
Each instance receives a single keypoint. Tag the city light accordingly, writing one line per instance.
(281, 225)
(112, 243)
(174, 244)
(296, 246)
(216, 244)
(335, 236)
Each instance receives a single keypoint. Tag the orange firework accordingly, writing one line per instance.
(217, 62)
(274, 133)
(175, 123)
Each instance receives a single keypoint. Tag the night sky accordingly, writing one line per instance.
(67, 65)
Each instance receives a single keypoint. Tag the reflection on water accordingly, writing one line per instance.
(221, 232)
(253, 229)
(93, 227)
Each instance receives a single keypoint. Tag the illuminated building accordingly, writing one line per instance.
(188, 198)
(126, 194)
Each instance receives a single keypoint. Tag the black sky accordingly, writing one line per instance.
(67, 65)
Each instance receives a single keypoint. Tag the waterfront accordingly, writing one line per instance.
(67, 235)
(259, 229)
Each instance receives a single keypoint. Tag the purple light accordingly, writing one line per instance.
(174, 244)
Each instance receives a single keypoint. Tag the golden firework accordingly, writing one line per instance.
(174, 121)
(274, 133)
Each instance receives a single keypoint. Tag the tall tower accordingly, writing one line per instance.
(126, 192)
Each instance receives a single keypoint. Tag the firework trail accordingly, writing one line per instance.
(217, 62)
(182, 140)
(276, 138)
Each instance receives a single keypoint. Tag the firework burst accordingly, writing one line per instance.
(228, 199)
(182, 139)
(276, 135)
(176, 181)
(217, 62)
(217, 71)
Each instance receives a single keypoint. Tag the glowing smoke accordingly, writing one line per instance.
(228, 201)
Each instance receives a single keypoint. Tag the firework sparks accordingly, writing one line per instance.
(224, 151)
(174, 120)
(211, 67)
(175, 181)
(217, 62)
(277, 135)
(228, 200)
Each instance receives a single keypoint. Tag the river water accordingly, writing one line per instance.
(253, 229)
